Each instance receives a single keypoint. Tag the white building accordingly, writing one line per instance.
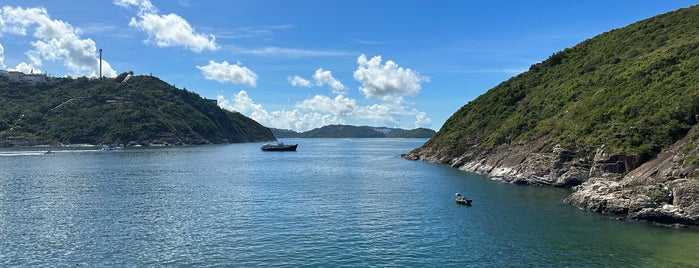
(16, 76)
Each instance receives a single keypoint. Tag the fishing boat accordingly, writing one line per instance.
(279, 147)
(460, 199)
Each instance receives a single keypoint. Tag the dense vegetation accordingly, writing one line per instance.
(346, 131)
(143, 110)
(633, 90)
(413, 133)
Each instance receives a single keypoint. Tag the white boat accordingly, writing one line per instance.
(109, 148)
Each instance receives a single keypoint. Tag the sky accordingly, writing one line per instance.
(304, 64)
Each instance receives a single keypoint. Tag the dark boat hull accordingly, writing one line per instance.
(279, 148)
(460, 199)
(464, 201)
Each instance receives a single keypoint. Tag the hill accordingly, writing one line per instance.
(615, 116)
(144, 110)
(346, 131)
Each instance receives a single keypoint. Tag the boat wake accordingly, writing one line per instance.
(25, 153)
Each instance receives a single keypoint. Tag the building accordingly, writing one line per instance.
(15, 76)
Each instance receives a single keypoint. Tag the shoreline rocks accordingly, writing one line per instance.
(664, 189)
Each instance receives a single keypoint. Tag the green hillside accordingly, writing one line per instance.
(635, 90)
(413, 133)
(614, 117)
(342, 131)
(143, 110)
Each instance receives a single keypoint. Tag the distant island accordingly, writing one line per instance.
(615, 118)
(127, 110)
(347, 131)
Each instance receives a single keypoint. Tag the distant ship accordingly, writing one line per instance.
(279, 147)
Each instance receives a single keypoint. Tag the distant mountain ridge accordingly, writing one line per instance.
(128, 110)
(347, 131)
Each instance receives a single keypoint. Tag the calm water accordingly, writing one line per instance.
(335, 202)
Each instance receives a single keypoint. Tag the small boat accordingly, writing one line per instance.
(279, 147)
(109, 148)
(460, 199)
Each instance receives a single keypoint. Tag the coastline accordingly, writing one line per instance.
(663, 190)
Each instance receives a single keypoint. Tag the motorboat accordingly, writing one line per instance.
(279, 147)
(460, 199)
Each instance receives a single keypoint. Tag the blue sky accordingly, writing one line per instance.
(304, 64)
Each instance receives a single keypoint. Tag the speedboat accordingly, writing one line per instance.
(460, 199)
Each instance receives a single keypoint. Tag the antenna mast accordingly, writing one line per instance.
(100, 64)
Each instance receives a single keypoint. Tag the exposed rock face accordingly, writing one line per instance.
(517, 164)
(664, 189)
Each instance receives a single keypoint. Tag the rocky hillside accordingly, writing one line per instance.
(614, 117)
(138, 110)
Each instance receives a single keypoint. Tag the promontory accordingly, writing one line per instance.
(614, 118)
(128, 110)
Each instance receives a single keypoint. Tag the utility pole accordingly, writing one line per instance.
(100, 64)
(101, 82)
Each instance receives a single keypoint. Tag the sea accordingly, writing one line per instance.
(332, 203)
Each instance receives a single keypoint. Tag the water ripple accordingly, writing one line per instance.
(332, 203)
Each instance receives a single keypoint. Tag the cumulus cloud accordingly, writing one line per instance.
(167, 30)
(340, 106)
(421, 120)
(26, 68)
(323, 77)
(229, 73)
(322, 110)
(144, 6)
(243, 104)
(56, 41)
(2, 53)
(298, 81)
(320, 77)
(386, 81)
(294, 119)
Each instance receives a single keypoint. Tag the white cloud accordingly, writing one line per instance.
(225, 72)
(294, 119)
(421, 120)
(298, 81)
(56, 40)
(320, 111)
(387, 112)
(167, 30)
(26, 68)
(144, 6)
(242, 103)
(323, 77)
(252, 32)
(383, 112)
(320, 77)
(291, 52)
(340, 106)
(2, 53)
(386, 81)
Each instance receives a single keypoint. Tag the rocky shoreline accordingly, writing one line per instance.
(168, 140)
(663, 190)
